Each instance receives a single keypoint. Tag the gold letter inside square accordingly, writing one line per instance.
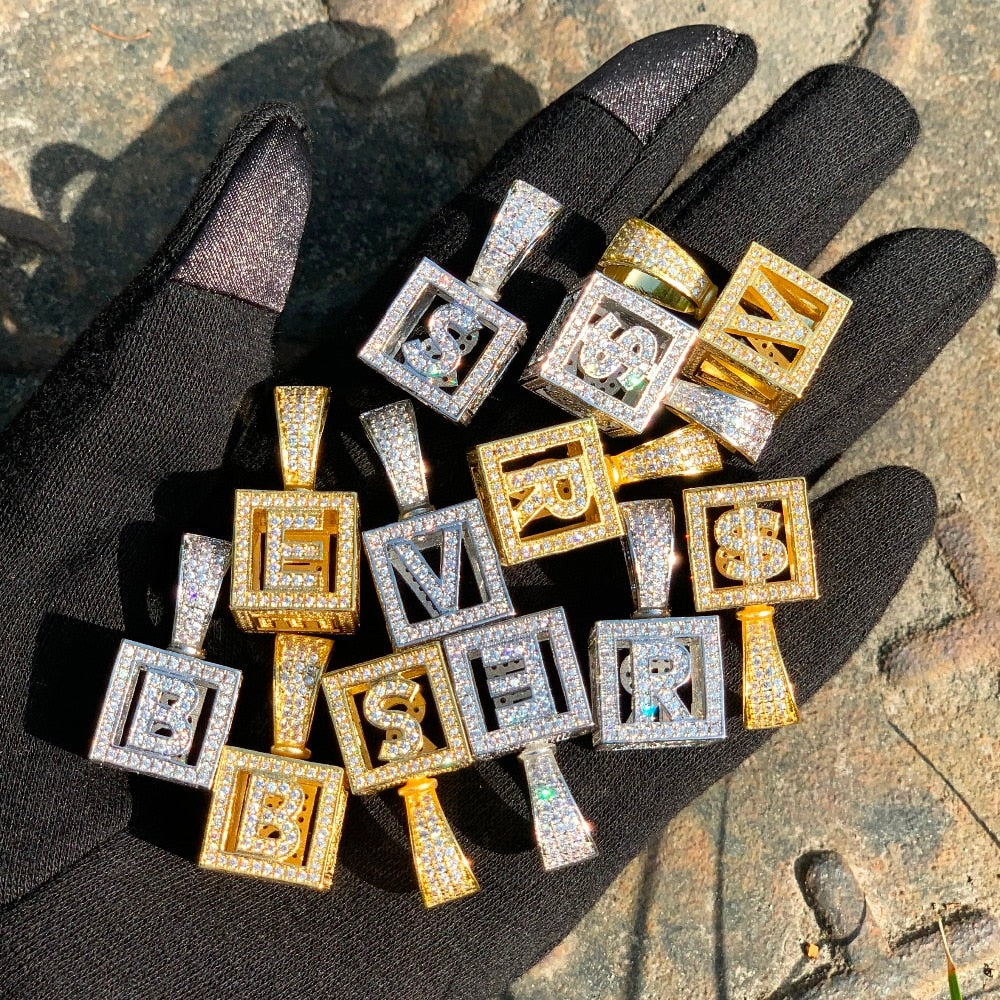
(767, 332)
(396, 719)
(276, 818)
(750, 544)
(295, 561)
(546, 492)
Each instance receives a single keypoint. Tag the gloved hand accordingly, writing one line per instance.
(128, 444)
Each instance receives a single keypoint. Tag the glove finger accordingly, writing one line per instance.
(912, 292)
(794, 177)
(868, 533)
(122, 441)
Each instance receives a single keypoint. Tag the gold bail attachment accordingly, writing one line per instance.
(392, 431)
(299, 662)
(768, 698)
(689, 451)
(204, 562)
(563, 835)
(649, 554)
(443, 870)
(301, 411)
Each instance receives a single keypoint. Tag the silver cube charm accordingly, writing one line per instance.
(446, 341)
(657, 681)
(167, 712)
(435, 571)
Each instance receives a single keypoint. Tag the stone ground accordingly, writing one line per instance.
(849, 832)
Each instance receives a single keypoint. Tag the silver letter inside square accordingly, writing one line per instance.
(417, 564)
(166, 714)
(503, 676)
(637, 668)
(610, 353)
(433, 325)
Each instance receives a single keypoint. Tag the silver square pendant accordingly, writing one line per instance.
(610, 353)
(437, 572)
(518, 682)
(166, 714)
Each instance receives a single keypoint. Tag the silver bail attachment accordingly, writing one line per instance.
(525, 216)
(649, 554)
(204, 563)
(392, 431)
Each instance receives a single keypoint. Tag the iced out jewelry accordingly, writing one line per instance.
(750, 547)
(279, 816)
(380, 713)
(295, 551)
(552, 490)
(167, 712)
(657, 681)
(447, 342)
(435, 571)
(501, 673)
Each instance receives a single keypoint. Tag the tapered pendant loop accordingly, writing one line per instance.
(649, 554)
(563, 836)
(299, 662)
(301, 412)
(685, 452)
(204, 563)
(392, 431)
(523, 219)
(768, 698)
(443, 870)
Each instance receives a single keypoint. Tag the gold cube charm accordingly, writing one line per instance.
(380, 714)
(552, 490)
(278, 816)
(767, 332)
(296, 551)
(750, 546)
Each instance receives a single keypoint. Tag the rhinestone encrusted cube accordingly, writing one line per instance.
(437, 572)
(275, 818)
(750, 544)
(295, 561)
(767, 332)
(546, 491)
(166, 714)
(425, 340)
(380, 714)
(657, 682)
(610, 353)
(517, 682)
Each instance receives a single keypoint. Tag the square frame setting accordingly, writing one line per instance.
(704, 506)
(429, 282)
(659, 344)
(476, 545)
(344, 687)
(282, 564)
(519, 640)
(246, 787)
(609, 639)
(140, 679)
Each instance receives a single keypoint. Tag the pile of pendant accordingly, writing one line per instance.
(468, 678)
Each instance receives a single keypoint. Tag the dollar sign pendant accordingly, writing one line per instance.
(751, 547)
(612, 350)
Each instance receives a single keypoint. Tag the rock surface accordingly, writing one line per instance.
(817, 869)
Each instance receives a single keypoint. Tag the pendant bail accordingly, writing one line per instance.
(525, 216)
(301, 412)
(392, 431)
(204, 563)
(688, 451)
(563, 836)
(649, 554)
(443, 871)
(768, 698)
(299, 662)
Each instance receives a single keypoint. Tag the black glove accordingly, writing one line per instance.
(120, 452)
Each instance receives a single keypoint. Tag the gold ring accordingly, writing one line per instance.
(651, 263)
